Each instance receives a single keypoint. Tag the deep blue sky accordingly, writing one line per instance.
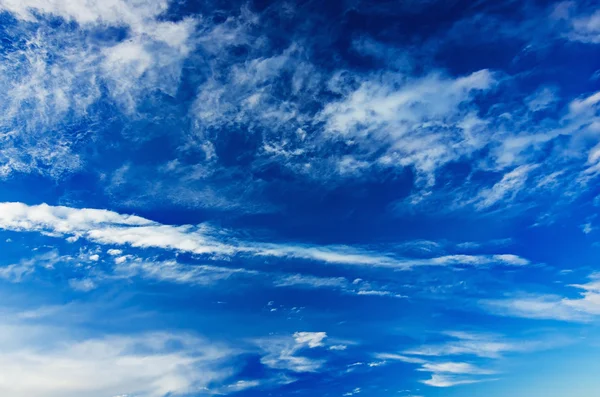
(334, 198)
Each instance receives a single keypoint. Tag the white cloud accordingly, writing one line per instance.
(542, 99)
(455, 368)
(38, 88)
(330, 254)
(239, 386)
(175, 272)
(370, 292)
(283, 352)
(462, 343)
(586, 28)
(51, 82)
(484, 350)
(311, 281)
(311, 339)
(552, 307)
(448, 381)
(474, 260)
(111, 228)
(587, 228)
(382, 119)
(444, 373)
(357, 287)
(84, 285)
(506, 189)
(400, 357)
(586, 105)
(147, 62)
(47, 362)
(409, 118)
(111, 12)
(356, 390)
(16, 271)
(106, 227)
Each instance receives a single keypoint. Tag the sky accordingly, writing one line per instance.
(299, 198)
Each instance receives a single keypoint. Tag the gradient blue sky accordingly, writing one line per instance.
(311, 198)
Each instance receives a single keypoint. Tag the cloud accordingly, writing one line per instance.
(356, 390)
(543, 98)
(194, 274)
(106, 227)
(39, 89)
(462, 343)
(448, 381)
(282, 352)
(506, 189)
(444, 373)
(111, 228)
(172, 271)
(50, 85)
(16, 271)
(482, 350)
(409, 118)
(39, 361)
(312, 281)
(293, 113)
(112, 12)
(312, 339)
(357, 287)
(399, 357)
(552, 307)
(83, 285)
(455, 368)
(583, 27)
(474, 260)
(587, 228)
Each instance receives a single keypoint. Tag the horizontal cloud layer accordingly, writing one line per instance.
(111, 228)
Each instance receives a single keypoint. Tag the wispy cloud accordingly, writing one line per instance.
(356, 287)
(15, 272)
(507, 188)
(583, 24)
(49, 85)
(455, 368)
(474, 344)
(172, 271)
(444, 373)
(285, 352)
(111, 228)
(552, 307)
(480, 349)
(148, 364)
(437, 380)
(409, 121)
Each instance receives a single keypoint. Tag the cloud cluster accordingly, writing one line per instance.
(52, 82)
(262, 109)
(421, 122)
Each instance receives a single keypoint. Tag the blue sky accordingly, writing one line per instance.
(340, 198)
